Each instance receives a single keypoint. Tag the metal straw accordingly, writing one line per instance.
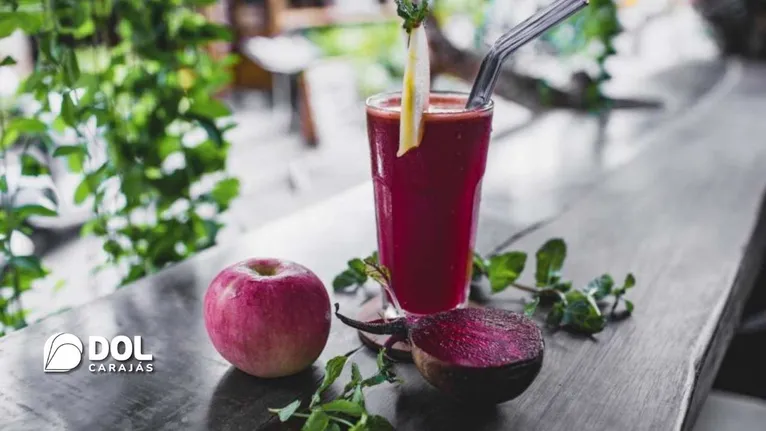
(514, 39)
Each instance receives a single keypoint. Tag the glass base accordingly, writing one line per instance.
(388, 311)
(377, 309)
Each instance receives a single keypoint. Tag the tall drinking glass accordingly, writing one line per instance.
(427, 201)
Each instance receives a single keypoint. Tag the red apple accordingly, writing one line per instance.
(268, 317)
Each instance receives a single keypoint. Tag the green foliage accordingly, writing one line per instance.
(149, 91)
(354, 276)
(346, 411)
(476, 9)
(505, 269)
(18, 272)
(413, 14)
(377, 52)
(592, 33)
(135, 83)
(578, 310)
(550, 260)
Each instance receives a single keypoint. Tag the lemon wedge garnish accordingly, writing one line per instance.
(417, 88)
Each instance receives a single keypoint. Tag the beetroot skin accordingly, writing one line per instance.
(477, 355)
(268, 317)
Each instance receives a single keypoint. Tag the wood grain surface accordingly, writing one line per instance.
(683, 213)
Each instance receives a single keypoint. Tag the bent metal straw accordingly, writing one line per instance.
(514, 39)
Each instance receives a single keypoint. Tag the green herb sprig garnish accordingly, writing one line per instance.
(581, 310)
(347, 411)
(412, 14)
(585, 310)
(359, 271)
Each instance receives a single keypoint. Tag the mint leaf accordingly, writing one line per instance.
(550, 260)
(555, 315)
(332, 371)
(582, 314)
(361, 425)
(385, 372)
(357, 265)
(413, 14)
(350, 404)
(531, 307)
(630, 281)
(601, 287)
(358, 395)
(344, 406)
(479, 267)
(317, 421)
(285, 413)
(334, 427)
(355, 276)
(356, 378)
(505, 269)
(346, 279)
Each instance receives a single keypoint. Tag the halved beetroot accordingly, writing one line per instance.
(474, 354)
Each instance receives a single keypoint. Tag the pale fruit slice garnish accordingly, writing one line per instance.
(417, 88)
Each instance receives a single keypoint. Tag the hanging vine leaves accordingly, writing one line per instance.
(122, 86)
(129, 80)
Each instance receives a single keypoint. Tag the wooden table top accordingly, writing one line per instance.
(681, 208)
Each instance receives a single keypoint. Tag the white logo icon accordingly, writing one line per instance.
(62, 353)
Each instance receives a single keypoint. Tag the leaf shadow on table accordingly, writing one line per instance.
(241, 401)
(418, 406)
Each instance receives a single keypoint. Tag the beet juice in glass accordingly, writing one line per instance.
(427, 200)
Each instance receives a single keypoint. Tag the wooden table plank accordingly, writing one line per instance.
(686, 217)
(190, 381)
(681, 215)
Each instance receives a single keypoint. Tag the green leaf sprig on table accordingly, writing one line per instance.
(358, 272)
(581, 310)
(585, 310)
(347, 411)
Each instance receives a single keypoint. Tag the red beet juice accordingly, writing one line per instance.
(427, 200)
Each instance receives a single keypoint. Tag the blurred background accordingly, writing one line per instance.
(137, 133)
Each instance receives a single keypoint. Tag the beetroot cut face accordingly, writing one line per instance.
(476, 355)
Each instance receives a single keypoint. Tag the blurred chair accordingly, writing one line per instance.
(287, 58)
